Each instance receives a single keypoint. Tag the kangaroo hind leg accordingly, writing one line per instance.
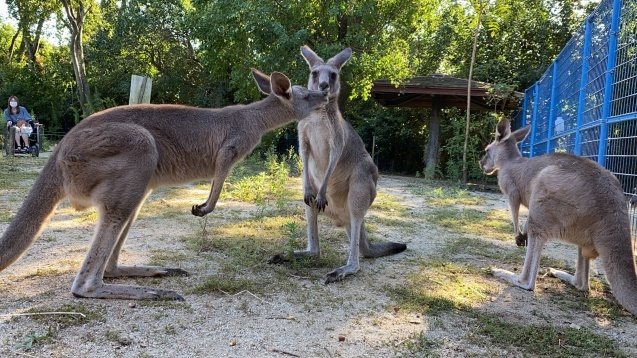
(528, 276)
(312, 249)
(353, 230)
(117, 200)
(115, 270)
(581, 278)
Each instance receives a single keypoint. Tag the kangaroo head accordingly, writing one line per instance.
(504, 147)
(324, 75)
(301, 100)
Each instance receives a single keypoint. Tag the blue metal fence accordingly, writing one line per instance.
(586, 101)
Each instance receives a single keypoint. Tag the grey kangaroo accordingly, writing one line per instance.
(114, 159)
(339, 176)
(569, 198)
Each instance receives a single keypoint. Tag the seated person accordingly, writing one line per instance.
(18, 116)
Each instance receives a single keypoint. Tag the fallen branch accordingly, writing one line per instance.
(23, 354)
(284, 352)
(42, 314)
(250, 293)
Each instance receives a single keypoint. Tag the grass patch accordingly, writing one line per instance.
(440, 286)
(448, 196)
(249, 243)
(230, 285)
(509, 254)
(599, 300)
(494, 224)
(88, 314)
(541, 340)
(389, 205)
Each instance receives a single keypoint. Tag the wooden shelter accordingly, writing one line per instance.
(438, 91)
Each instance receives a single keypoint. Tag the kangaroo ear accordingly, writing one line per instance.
(339, 60)
(281, 85)
(502, 130)
(521, 133)
(310, 56)
(263, 81)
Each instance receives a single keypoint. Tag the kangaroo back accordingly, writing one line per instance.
(44, 196)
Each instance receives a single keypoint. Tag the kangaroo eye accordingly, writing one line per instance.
(314, 74)
(334, 76)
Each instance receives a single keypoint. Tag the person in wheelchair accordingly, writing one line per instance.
(18, 116)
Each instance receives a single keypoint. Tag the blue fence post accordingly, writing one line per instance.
(536, 95)
(608, 83)
(581, 106)
(550, 121)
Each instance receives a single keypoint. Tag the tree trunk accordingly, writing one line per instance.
(465, 174)
(433, 141)
(75, 23)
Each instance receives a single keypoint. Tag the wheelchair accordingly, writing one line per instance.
(32, 148)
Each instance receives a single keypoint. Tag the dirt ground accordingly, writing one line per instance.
(294, 316)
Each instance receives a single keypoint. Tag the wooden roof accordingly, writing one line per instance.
(452, 91)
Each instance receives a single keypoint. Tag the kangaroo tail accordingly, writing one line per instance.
(379, 249)
(45, 194)
(619, 265)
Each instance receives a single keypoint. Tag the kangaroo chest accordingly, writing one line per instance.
(317, 135)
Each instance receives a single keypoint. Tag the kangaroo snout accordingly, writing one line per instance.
(486, 168)
(324, 86)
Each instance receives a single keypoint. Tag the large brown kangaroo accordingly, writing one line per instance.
(339, 176)
(569, 198)
(114, 159)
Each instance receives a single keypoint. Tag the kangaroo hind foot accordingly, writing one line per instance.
(102, 290)
(340, 273)
(144, 271)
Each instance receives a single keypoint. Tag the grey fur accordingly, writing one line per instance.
(115, 158)
(339, 176)
(569, 198)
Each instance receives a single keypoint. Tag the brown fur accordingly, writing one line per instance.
(115, 158)
(569, 198)
(339, 176)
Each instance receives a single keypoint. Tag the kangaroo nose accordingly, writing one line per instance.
(324, 86)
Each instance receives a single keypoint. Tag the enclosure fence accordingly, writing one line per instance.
(586, 101)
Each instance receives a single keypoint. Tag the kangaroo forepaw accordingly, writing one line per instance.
(320, 203)
(197, 210)
(521, 239)
(308, 199)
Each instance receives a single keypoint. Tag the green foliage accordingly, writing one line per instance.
(200, 52)
(265, 187)
(27, 342)
(292, 231)
(481, 129)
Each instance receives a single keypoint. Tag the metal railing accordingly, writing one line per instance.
(585, 103)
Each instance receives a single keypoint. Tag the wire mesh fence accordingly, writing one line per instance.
(585, 103)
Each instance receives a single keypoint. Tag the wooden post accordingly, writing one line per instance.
(140, 88)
